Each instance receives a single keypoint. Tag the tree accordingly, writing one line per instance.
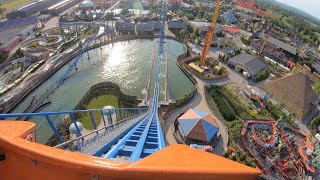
(315, 122)
(316, 87)
(199, 41)
(205, 16)
(2, 10)
(190, 16)
(182, 33)
(124, 11)
(197, 32)
(180, 13)
(3, 56)
(199, 16)
(190, 28)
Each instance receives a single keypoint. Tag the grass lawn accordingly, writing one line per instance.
(98, 103)
(88, 31)
(55, 32)
(52, 39)
(13, 4)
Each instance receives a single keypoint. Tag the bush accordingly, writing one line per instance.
(229, 106)
(315, 122)
(3, 56)
(52, 39)
(263, 75)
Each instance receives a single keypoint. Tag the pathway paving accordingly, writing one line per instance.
(91, 146)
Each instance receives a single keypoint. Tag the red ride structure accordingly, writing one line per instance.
(251, 6)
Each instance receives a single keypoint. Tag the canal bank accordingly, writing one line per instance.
(124, 63)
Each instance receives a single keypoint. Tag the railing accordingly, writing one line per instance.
(108, 129)
(120, 114)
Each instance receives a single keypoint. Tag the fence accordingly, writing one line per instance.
(60, 122)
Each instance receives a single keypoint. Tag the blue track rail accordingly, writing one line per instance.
(146, 137)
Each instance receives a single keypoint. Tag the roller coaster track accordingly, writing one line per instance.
(146, 137)
(49, 91)
(139, 138)
(32, 107)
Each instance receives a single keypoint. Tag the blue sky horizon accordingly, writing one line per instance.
(308, 6)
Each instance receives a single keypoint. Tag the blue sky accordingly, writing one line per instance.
(310, 6)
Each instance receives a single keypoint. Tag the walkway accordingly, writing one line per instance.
(149, 78)
(199, 102)
(107, 136)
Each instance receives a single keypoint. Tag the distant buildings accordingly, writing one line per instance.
(14, 31)
(229, 16)
(144, 28)
(247, 63)
(60, 7)
(275, 48)
(279, 44)
(204, 29)
(10, 44)
(177, 25)
(31, 8)
(126, 27)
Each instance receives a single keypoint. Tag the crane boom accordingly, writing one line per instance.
(209, 34)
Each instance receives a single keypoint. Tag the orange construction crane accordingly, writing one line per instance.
(209, 34)
(266, 38)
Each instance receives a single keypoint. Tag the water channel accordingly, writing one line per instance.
(124, 63)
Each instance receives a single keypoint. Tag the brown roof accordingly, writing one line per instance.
(198, 133)
(295, 92)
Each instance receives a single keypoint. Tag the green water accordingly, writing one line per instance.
(124, 63)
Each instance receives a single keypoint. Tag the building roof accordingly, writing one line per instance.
(316, 66)
(7, 34)
(18, 22)
(10, 41)
(29, 6)
(25, 30)
(252, 63)
(280, 44)
(247, 17)
(124, 26)
(204, 28)
(157, 24)
(145, 27)
(177, 25)
(198, 125)
(295, 92)
(229, 16)
(232, 30)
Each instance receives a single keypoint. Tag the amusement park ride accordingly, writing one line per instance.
(209, 34)
(251, 6)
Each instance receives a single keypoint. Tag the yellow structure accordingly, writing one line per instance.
(196, 67)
